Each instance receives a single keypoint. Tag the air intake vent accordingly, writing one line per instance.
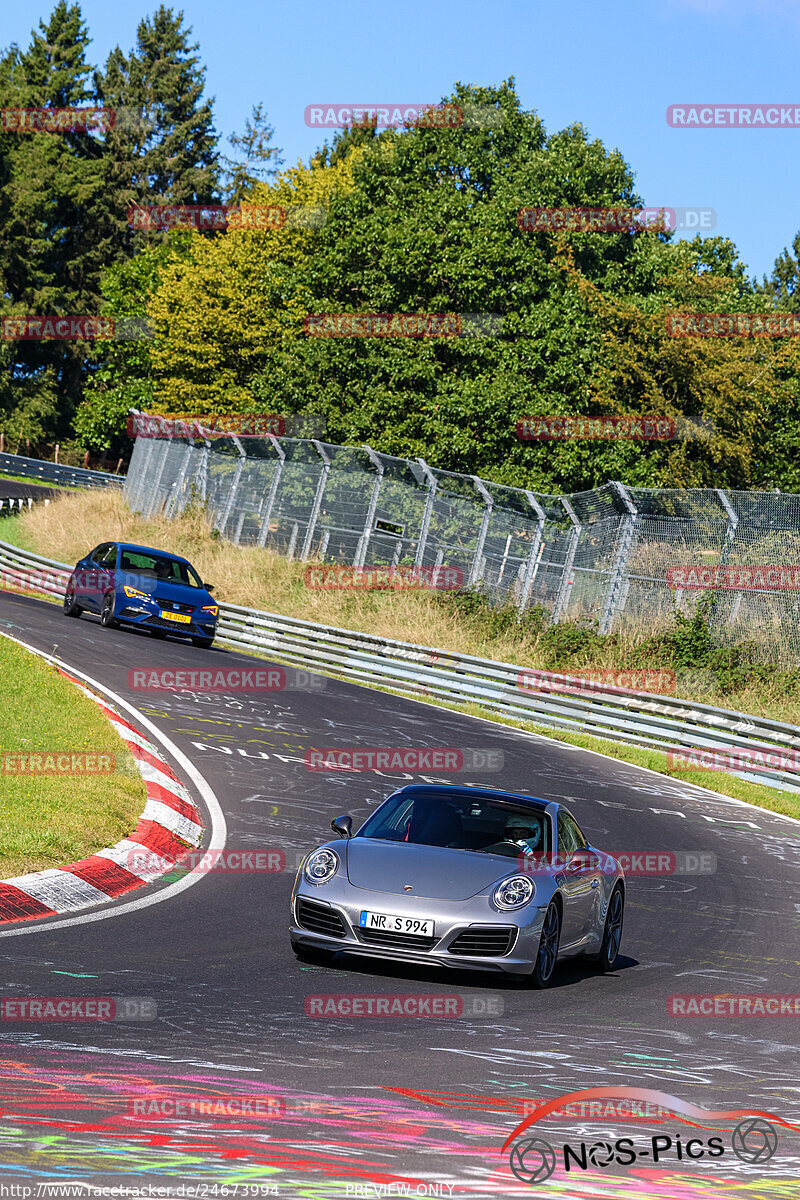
(484, 941)
(318, 918)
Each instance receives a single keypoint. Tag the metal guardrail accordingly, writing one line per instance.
(49, 472)
(637, 718)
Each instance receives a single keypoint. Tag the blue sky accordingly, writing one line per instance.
(613, 65)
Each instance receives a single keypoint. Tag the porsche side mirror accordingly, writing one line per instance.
(343, 826)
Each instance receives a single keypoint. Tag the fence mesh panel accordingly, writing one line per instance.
(603, 556)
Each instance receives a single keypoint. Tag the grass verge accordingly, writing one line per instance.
(13, 531)
(49, 820)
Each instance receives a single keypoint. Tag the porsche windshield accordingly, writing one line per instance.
(485, 825)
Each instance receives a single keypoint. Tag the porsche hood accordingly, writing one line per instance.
(434, 871)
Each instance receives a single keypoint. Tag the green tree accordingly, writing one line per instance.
(54, 243)
(168, 131)
(425, 220)
(783, 285)
(261, 159)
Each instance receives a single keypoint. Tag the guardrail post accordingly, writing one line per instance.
(727, 546)
(172, 507)
(204, 470)
(615, 590)
(317, 504)
(369, 521)
(534, 557)
(136, 480)
(488, 504)
(151, 507)
(235, 485)
(562, 597)
(263, 532)
(427, 514)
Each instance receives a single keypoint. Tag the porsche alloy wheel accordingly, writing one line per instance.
(547, 955)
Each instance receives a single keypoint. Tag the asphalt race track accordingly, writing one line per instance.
(348, 1109)
(10, 489)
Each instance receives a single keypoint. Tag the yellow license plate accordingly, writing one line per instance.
(182, 617)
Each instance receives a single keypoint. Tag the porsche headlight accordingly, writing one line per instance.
(321, 866)
(514, 892)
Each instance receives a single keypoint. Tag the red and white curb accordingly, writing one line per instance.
(168, 829)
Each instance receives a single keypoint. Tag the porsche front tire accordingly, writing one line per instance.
(547, 954)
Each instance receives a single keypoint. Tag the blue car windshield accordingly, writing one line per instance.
(162, 569)
(484, 824)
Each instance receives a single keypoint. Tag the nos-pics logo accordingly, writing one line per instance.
(753, 1140)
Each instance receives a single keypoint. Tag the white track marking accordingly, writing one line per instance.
(59, 890)
(175, 822)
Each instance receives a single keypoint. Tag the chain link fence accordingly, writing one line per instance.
(603, 556)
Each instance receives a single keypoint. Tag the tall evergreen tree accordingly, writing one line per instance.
(261, 160)
(53, 248)
(783, 285)
(64, 197)
(171, 158)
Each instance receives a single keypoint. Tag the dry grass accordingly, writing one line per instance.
(70, 526)
(73, 524)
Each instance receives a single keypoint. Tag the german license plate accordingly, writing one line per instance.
(391, 923)
(183, 618)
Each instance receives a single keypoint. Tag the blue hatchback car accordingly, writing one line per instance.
(137, 585)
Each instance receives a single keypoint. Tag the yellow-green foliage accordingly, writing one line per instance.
(215, 313)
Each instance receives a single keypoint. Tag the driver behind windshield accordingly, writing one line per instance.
(525, 836)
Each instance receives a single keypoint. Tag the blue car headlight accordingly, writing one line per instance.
(514, 892)
(321, 866)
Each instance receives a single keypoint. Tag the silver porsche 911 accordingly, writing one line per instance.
(461, 877)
